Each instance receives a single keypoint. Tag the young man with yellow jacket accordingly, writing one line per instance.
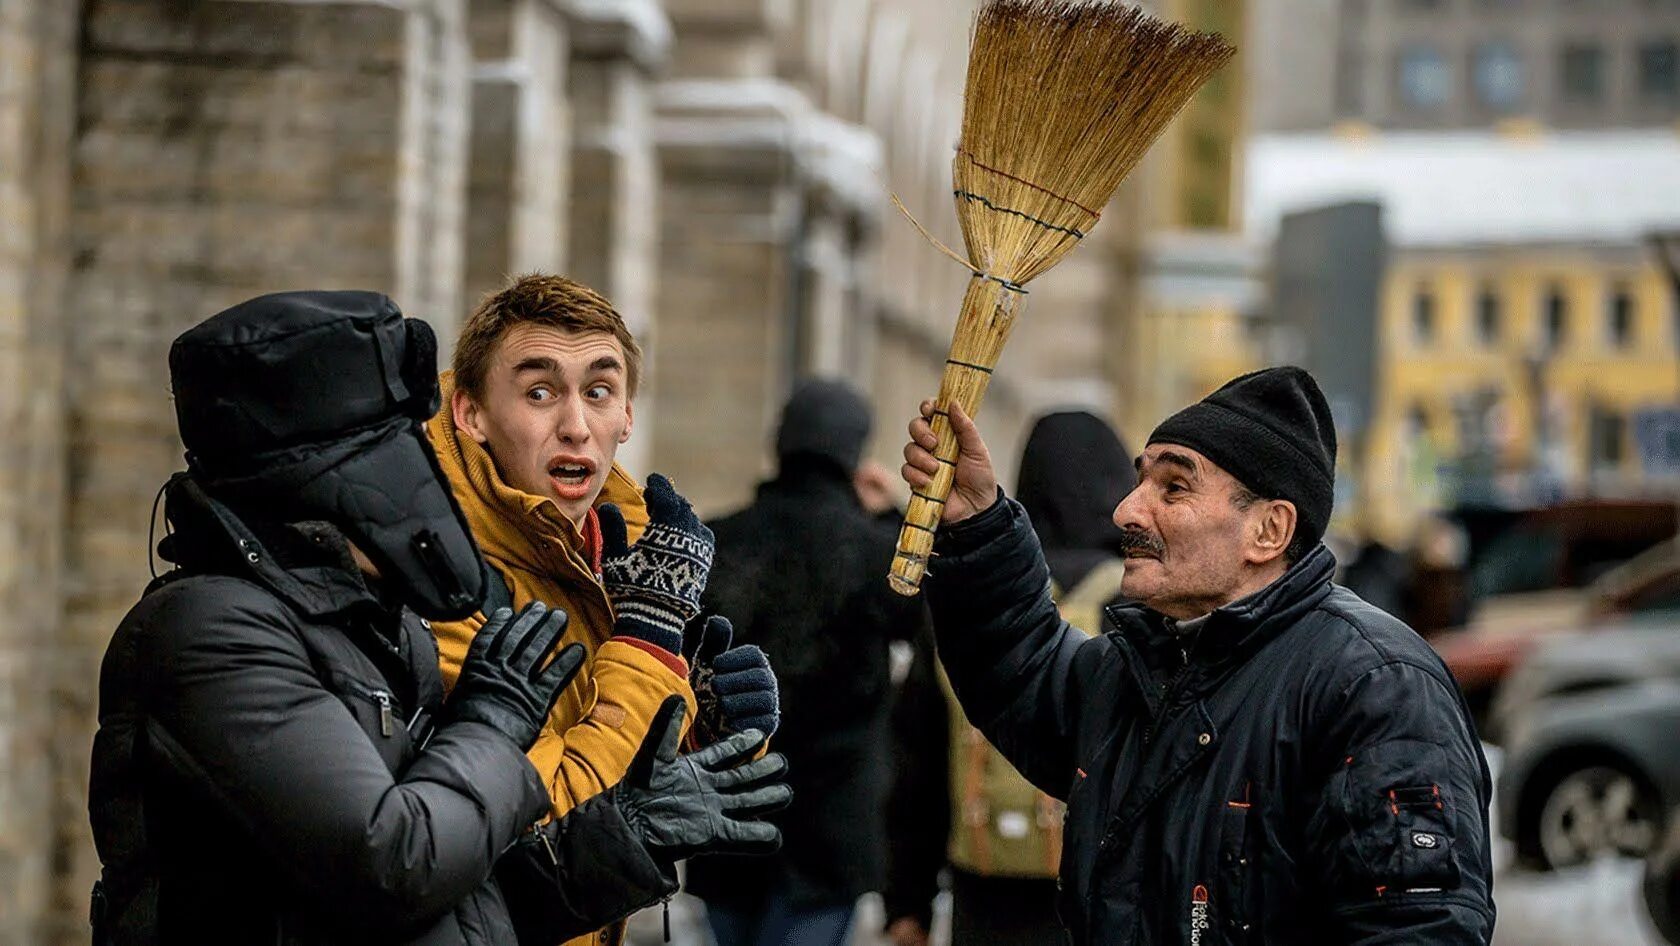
(538, 402)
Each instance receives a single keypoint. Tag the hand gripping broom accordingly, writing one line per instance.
(1062, 100)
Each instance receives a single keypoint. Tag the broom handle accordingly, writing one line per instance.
(988, 313)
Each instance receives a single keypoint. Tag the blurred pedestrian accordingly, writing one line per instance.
(802, 573)
(540, 398)
(1249, 753)
(1004, 844)
(275, 761)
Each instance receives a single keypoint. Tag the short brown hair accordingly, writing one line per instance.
(538, 299)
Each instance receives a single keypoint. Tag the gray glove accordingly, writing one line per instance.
(706, 802)
(504, 683)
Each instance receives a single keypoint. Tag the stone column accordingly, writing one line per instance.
(37, 113)
(730, 213)
(226, 149)
(520, 162)
(764, 205)
(613, 220)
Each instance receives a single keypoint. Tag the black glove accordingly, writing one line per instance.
(734, 687)
(504, 683)
(655, 585)
(706, 802)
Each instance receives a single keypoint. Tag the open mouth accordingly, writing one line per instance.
(570, 474)
(572, 477)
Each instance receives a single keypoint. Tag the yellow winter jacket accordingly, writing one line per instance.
(601, 719)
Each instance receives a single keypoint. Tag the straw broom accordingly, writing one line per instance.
(1062, 100)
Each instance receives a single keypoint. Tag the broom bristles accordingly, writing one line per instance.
(1063, 99)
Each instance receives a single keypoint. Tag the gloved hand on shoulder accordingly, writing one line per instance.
(507, 682)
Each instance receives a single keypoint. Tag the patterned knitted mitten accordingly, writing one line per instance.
(655, 585)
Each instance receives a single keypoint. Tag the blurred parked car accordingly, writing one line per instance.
(1591, 774)
(1507, 627)
(1644, 648)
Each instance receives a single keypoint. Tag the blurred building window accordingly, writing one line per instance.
(1607, 438)
(1557, 318)
(1497, 73)
(1425, 77)
(1581, 72)
(1659, 71)
(1621, 317)
(1423, 316)
(1488, 316)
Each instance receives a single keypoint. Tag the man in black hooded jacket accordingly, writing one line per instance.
(275, 762)
(799, 573)
(1249, 754)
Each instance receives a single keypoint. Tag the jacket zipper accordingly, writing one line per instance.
(387, 719)
(1167, 696)
(387, 710)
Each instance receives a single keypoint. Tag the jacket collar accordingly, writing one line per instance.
(511, 526)
(1234, 632)
(306, 565)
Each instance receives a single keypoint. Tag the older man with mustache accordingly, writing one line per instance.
(1250, 754)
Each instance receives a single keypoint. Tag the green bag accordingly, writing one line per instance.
(1001, 825)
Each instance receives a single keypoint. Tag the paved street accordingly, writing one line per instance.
(1597, 905)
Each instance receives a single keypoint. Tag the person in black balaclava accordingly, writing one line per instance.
(275, 762)
(1002, 844)
(801, 573)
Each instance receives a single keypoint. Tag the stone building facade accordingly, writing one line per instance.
(718, 167)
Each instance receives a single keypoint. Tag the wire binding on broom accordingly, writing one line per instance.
(981, 198)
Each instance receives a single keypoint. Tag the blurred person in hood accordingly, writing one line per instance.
(802, 573)
(956, 801)
(1248, 753)
(276, 761)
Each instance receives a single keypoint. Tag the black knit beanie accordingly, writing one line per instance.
(825, 418)
(1271, 429)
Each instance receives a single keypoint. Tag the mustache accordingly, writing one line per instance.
(1140, 540)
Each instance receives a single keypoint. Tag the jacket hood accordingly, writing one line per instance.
(306, 564)
(511, 525)
(307, 406)
(1074, 471)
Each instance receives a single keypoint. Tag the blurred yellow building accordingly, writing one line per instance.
(1535, 359)
(1522, 323)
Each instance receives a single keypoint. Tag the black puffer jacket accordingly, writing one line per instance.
(1301, 771)
(257, 774)
(802, 573)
